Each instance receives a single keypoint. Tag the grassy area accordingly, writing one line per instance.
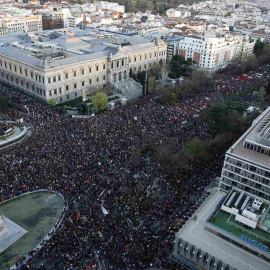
(223, 221)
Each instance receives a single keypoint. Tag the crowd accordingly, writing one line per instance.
(3, 128)
(121, 208)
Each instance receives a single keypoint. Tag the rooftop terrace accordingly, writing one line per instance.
(195, 234)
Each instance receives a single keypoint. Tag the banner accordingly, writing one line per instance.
(84, 95)
(105, 212)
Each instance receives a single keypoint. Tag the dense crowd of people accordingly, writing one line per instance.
(3, 128)
(120, 207)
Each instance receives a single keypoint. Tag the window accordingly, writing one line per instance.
(66, 75)
(104, 66)
(90, 69)
(20, 70)
(75, 85)
(90, 81)
(50, 93)
(66, 87)
(60, 90)
(122, 62)
(74, 73)
(54, 78)
(15, 68)
(10, 67)
(49, 80)
(26, 72)
(59, 78)
(97, 79)
(32, 74)
(82, 71)
(55, 91)
(67, 96)
(82, 83)
(96, 68)
(104, 77)
(5, 64)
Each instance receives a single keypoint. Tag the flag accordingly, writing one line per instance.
(17, 256)
(105, 212)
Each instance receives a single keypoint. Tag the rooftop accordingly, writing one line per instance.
(227, 223)
(230, 254)
(255, 135)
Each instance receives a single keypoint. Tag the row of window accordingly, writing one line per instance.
(23, 84)
(83, 71)
(20, 70)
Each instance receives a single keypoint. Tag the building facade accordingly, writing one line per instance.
(247, 162)
(212, 53)
(23, 24)
(64, 74)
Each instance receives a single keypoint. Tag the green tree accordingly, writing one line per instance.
(141, 77)
(52, 102)
(258, 47)
(100, 101)
(3, 103)
(172, 96)
(222, 115)
(177, 65)
(195, 148)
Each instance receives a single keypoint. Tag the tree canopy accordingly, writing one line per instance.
(3, 103)
(100, 101)
(179, 65)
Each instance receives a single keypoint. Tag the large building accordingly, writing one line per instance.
(60, 65)
(52, 20)
(247, 162)
(22, 24)
(213, 53)
(232, 227)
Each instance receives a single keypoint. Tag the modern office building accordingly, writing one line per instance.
(232, 228)
(247, 162)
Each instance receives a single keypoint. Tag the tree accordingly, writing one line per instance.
(200, 76)
(172, 97)
(258, 47)
(3, 103)
(177, 65)
(52, 102)
(222, 115)
(195, 149)
(141, 77)
(100, 101)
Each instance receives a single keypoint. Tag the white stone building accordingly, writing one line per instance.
(62, 68)
(211, 53)
(23, 24)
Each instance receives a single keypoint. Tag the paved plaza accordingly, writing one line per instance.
(14, 233)
(195, 234)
